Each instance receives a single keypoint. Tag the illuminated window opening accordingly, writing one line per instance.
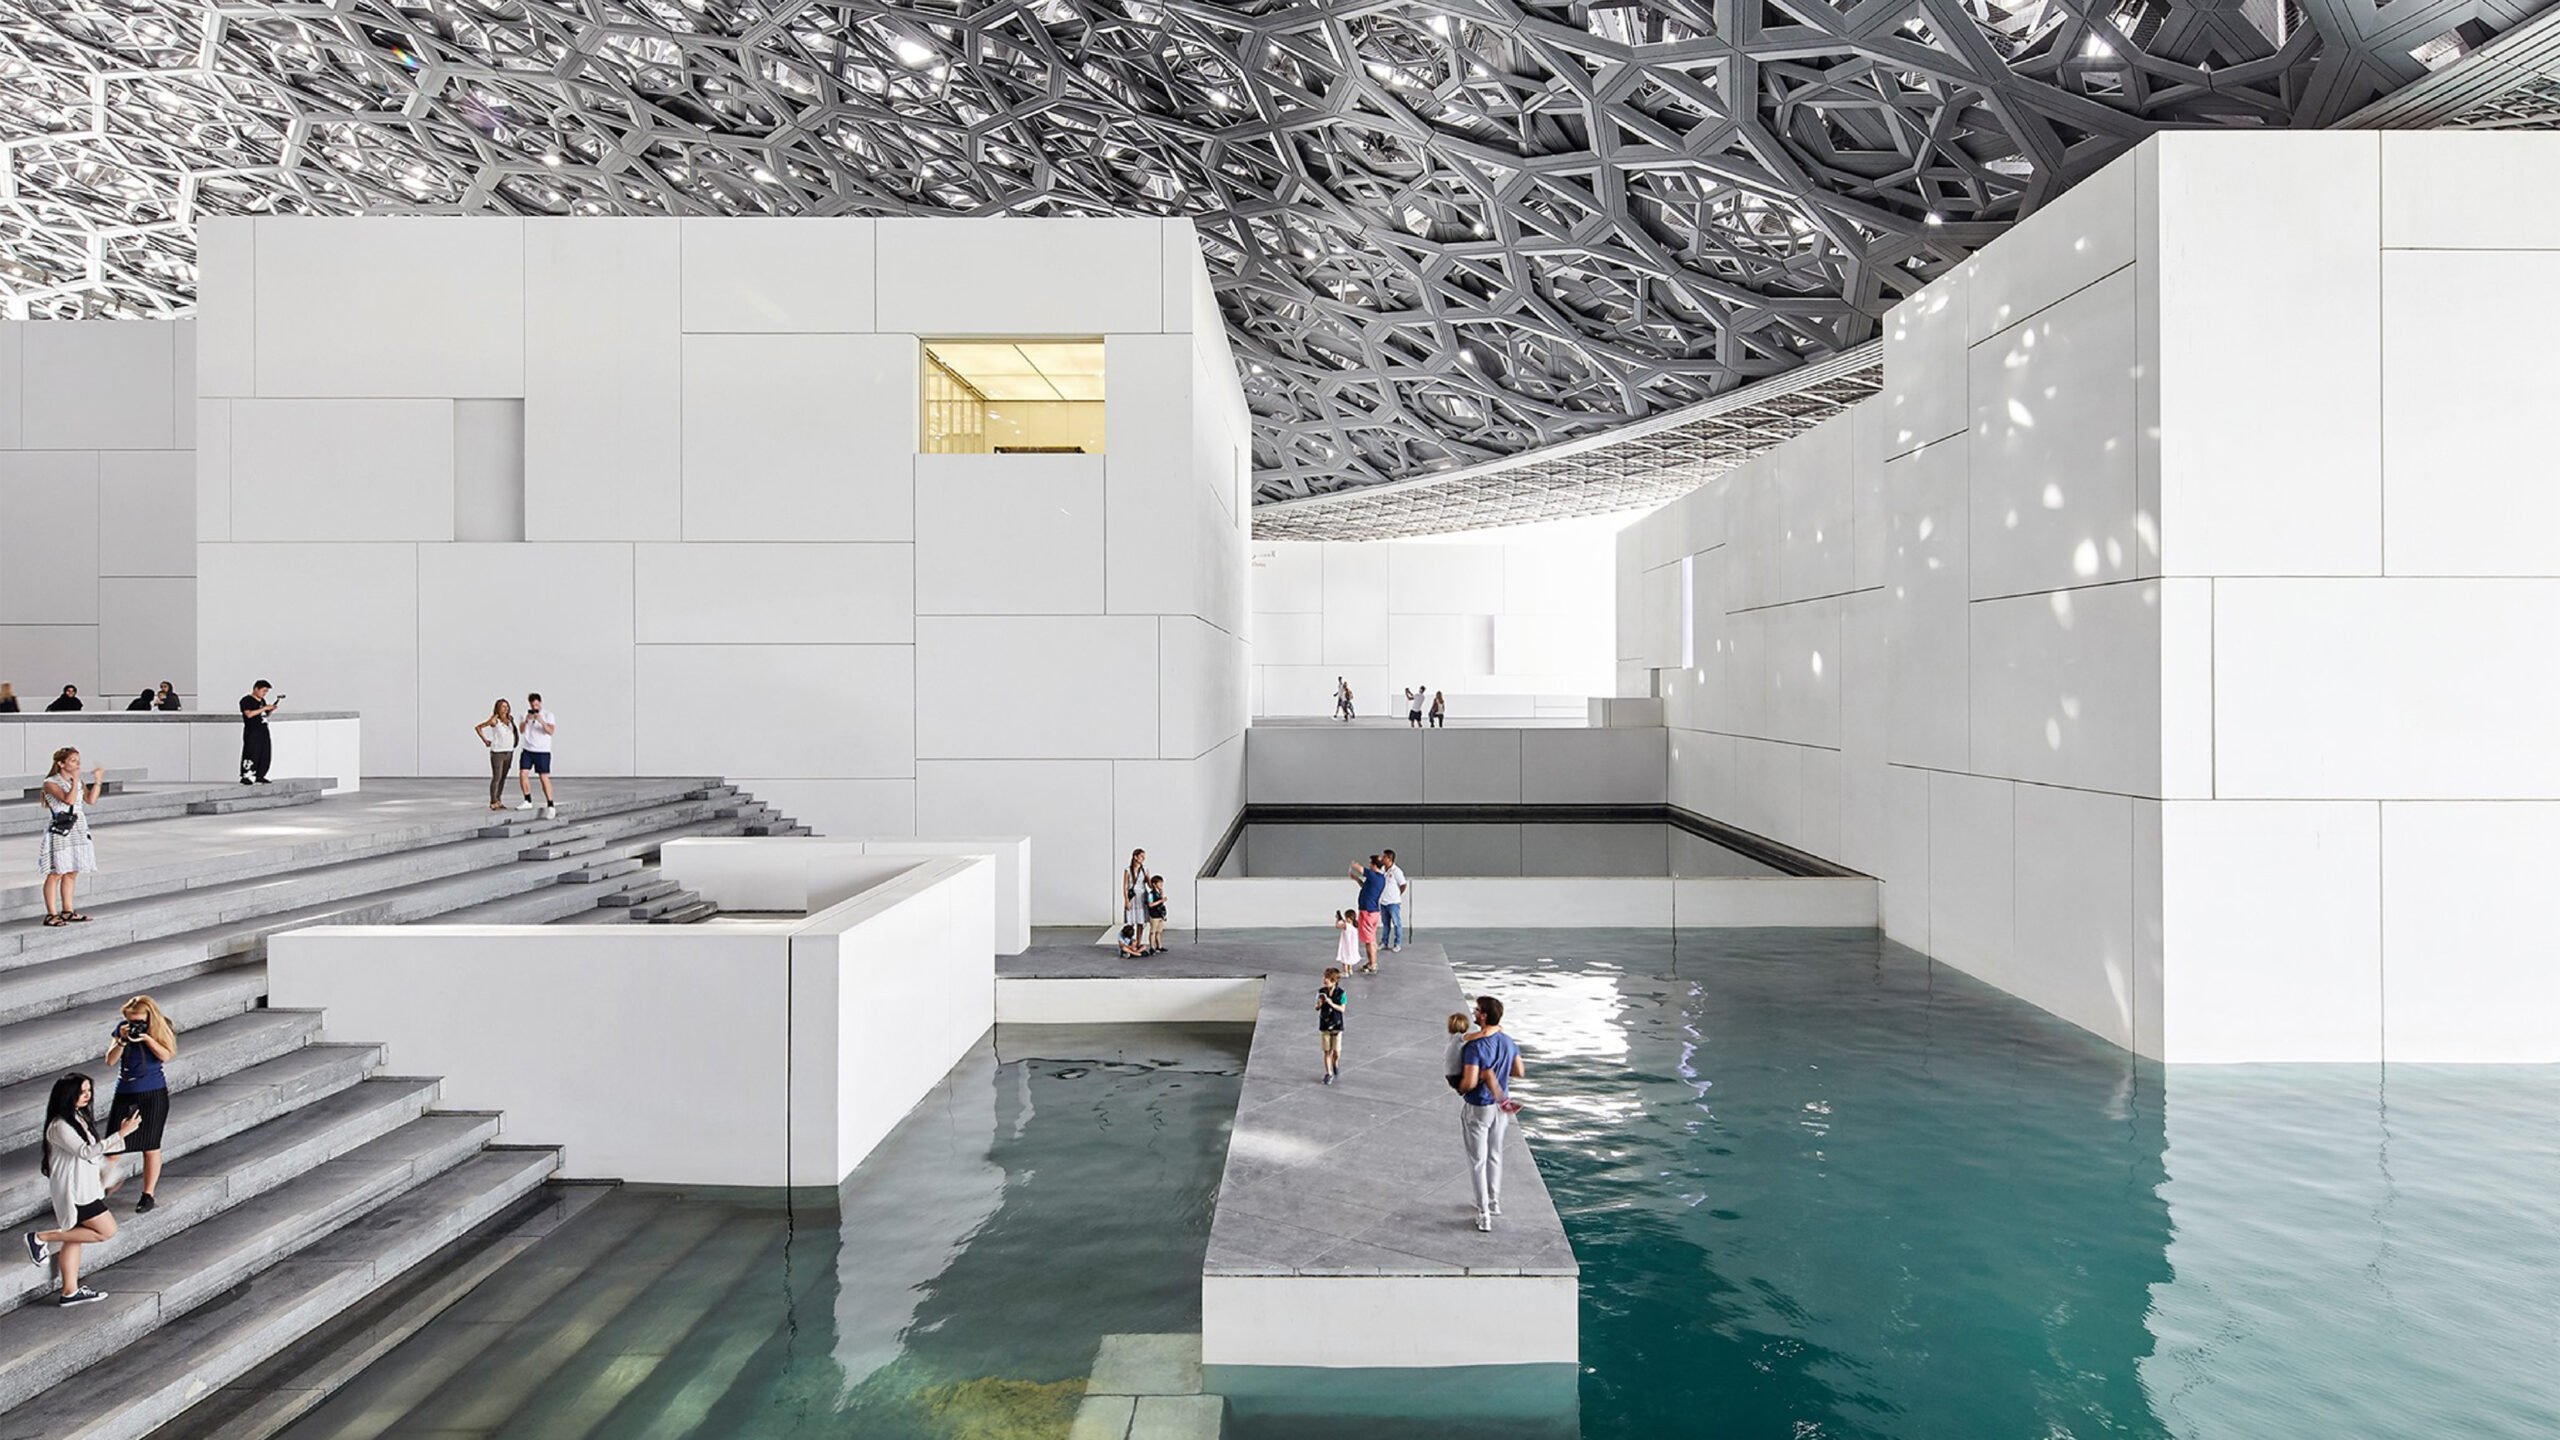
(1013, 397)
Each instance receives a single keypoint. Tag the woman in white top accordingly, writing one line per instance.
(498, 732)
(74, 1160)
(1133, 891)
(63, 850)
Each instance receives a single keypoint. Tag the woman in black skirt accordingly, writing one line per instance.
(143, 1041)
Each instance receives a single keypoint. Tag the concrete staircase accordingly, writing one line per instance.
(299, 1180)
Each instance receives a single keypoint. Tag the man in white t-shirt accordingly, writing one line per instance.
(536, 760)
(1391, 928)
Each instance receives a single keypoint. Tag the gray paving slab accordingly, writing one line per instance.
(1365, 1176)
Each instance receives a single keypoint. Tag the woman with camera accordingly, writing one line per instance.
(63, 851)
(141, 1043)
(74, 1159)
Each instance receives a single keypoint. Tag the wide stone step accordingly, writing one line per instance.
(640, 894)
(138, 1388)
(146, 802)
(665, 904)
(54, 1043)
(603, 870)
(243, 799)
(41, 1345)
(232, 1173)
(215, 1051)
(695, 913)
(208, 1113)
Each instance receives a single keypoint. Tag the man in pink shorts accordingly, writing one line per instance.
(1373, 893)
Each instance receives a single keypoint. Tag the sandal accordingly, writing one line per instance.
(73, 915)
(52, 919)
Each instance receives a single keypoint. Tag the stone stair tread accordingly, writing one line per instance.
(256, 797)
(139, 1388)
(216, 1050)
(687, 915)
(53, 1043)
(212, 1112)
(42, 1346)
(239, 1169)
(156, 802)
(604, 870)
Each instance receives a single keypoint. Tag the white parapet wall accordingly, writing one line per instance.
(802, 873)
(1557, 902)
(188, 746)
(2171, 634)
(752, 1053)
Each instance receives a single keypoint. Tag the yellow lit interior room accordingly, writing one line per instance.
(1003, 397)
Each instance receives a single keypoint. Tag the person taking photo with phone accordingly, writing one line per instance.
(257, 747)
(142, 1041)
(73, 1158)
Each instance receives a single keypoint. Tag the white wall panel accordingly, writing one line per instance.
(1152, 497)
(1817, 828)
(146, 512)
(1298, 690)
(1869, 529)
(213, 470)
(1924, 345)
(2272, 931)
(1444, 579)
(146, 634)
(91, 386)
(1010, 534)
(357, 652)
(2066, 687)
(1864, 732)
(1080, 687)
(1768, 789)
(2069, 243)
(603, 380)
(773, 594)
(1308, 766)
(1906, 856)
(800, 275)
(1437, 652)
(1065, 806)
(1288, 578)
(1118, 265)
(1973, 877)
(12, 373)
(1355, 606)
(447, 317)
(1200, 686)
(2053, 446)
(1800, 669)
(41, 659)
(1288, 639)
(1806, 546)
(2074, 889)
(341, 470)
(2468, 972)
(2457, 190)
(2186, 689)
(1594, 767)
(2400, 689)
(226, 305)
(1471, 767)
(2468, 429)
(2270, 305)
(51, 574)
(819, 711)
(1927, 653)
(478, 640)
(800, 437)
(182, 385)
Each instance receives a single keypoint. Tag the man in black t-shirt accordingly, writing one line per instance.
(257, 747)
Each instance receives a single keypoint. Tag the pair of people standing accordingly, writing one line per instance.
(73, 1157)
(1381, 910)
(1481, 1064)
(163, 698)
(1413, 699)
(507, 739)
(1341, 698)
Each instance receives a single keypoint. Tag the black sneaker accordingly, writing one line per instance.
(35, 1249)
(143, 1206)
(82, 1296)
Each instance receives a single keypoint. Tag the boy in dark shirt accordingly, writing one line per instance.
(1155, 912)
(1332, 1004)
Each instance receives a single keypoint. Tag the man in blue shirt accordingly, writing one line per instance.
(1487, 1066)
(1373, 890)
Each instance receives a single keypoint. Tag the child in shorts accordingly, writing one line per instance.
(1155, 912)
(1132, 943)
(1332, 1004)
(1461, 1030)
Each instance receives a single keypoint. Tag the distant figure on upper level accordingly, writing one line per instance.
(69, 699)
(167, 698)
(257, 746)
(8, 698)
(1439, 710)
(139, 702)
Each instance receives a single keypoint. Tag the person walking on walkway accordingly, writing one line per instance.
(1391, 904)
(257, 747)
(1332, 1004)
(1341, 698)
(498, 734)
(1373, 888)
(1488, 1064)
(73, 1158)
(69, 699)
(141, 1043)
(536, 759)
(63, 849)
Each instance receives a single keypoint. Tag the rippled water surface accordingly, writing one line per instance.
(1823, 1188)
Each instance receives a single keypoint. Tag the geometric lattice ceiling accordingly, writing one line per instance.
(1442, 233)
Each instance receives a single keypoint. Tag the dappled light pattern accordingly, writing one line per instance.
(1441, 234)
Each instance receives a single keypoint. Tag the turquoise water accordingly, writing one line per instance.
(1821, 1190)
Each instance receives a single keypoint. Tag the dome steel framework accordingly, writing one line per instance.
(1442, 234)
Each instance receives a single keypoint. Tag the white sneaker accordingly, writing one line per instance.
(1484, 1222)
(550, 812)
(525, 804)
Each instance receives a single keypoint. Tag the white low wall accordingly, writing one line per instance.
(196, 747)
(734, 1053)
(1130, 1000)
(1472, 765)
(799, 873)
(1556, 902)
(1387, 1321)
